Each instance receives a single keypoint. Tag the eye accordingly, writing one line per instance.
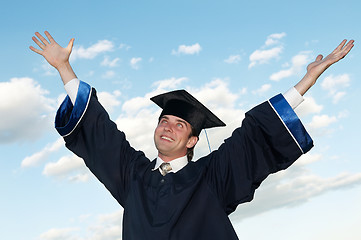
(163, 121)
(180, 125)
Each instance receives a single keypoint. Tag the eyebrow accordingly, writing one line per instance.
(163, 117)
(177, 120)
(182, 121)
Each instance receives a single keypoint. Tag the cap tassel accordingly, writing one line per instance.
(209, 146)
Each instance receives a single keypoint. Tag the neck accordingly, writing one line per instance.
(166, 158)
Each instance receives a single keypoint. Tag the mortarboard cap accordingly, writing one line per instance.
(181, 104)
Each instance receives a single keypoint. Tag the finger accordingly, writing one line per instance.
(348, 47)
(340, 47)
(35, 50)
(51, 39)
(38, 42)
(342, 44)
(70, 45)
(345, 49)
(319, 57)
(42, 39)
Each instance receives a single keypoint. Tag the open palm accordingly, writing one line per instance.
(316, 68)
(51, 50)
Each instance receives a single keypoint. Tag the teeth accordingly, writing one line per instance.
(167, 138)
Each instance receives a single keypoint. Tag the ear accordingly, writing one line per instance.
(192, 141)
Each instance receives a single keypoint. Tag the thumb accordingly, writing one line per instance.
(70, 45)
(319, 57)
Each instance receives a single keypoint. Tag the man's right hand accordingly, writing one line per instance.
(57, 56)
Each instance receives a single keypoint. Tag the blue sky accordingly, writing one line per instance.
(231, 55)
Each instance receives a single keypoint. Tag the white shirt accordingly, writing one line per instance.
(176, 164)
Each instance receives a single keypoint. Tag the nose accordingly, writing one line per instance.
(168, 128)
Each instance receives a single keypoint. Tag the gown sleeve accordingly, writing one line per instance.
(91, 135)
(270, 139)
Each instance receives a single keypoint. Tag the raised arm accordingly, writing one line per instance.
(316, 68)
(57, 56)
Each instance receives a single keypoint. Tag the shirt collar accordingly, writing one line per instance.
(176, 164)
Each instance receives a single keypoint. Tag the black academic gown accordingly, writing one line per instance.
(195, 202)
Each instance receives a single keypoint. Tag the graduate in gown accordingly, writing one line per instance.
(172, 197)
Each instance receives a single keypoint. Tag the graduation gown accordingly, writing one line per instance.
(195, 202)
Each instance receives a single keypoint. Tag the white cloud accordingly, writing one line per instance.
(170, 83)
(137, 105)
(109, 100)
(124, 46)
(42, 155)
(134, 62)
(108, 75)
(274, 38)
(334, 85)
(322, 121)
(292, 187)
(94, 50)
(69, 167)
(132, 106)
(101, 227)
(65, 166)
(139, 127)
(298, 63)
(187, 50)
(108, 226)
(309, 106)
(320, 125)
(216, 94)
(48, 70)
(337, 97)
(308, 159)
(312, 42)
(343, 114)
(110, 63)
(219, 98)
(264, 55)
(59, 234)
(25, 110)
(282, 74)
(243, 91)
(263, 89)
(79, 177)
(233, 59)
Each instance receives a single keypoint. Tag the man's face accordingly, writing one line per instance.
(171, 137)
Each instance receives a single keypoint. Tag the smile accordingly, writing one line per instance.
(167, 138)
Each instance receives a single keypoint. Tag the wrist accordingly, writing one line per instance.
(66, 72)
(63, 67)
(305, 84)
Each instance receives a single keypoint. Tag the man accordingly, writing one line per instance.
(172, 197)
